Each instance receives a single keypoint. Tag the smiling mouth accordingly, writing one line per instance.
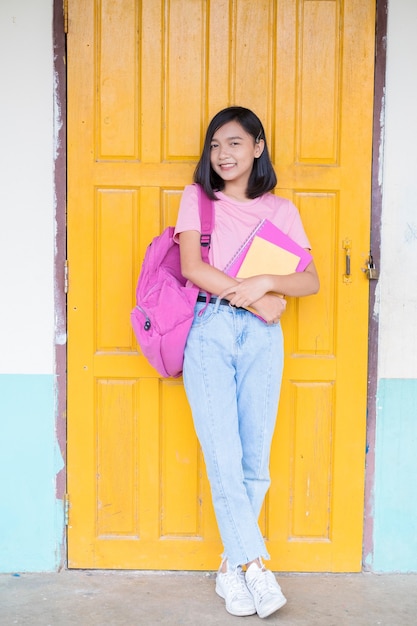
(227, 165)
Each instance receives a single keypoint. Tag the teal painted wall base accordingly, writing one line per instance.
(395, 495)
(31, 519)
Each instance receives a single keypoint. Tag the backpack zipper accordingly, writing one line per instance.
(147, 324)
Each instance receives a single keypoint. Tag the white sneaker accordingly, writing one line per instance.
(265, 590)
(231, 586)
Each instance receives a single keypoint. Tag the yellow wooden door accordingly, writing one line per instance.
(144, 78)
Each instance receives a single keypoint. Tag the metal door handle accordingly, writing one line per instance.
(347, 245)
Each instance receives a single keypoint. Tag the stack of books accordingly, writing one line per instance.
(268, 250)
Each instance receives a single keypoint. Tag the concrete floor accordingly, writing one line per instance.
(95, 598)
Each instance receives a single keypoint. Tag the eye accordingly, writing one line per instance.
(213, 145)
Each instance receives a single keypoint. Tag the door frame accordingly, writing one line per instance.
(60, 278)
(375, 244)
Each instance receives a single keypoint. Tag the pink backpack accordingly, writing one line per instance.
(164, 308)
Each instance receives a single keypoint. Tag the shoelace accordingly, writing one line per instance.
(236, 582)
(262, 583)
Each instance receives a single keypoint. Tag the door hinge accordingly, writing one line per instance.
(65, 11)
(66, 276)
(66, 509)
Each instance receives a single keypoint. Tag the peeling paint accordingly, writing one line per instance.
(377, 302)
(381, 146)
(58, 123)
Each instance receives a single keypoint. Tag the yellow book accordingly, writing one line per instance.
(267, 250)
(264, 257)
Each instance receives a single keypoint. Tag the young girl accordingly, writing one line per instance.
(233, 360)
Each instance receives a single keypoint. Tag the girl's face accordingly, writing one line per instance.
(232, 153)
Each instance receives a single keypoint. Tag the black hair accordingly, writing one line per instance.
(262, 178)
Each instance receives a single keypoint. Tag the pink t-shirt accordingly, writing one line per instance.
(235, 220)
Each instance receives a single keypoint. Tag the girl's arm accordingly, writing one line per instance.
(250, 289)
(205, 276)
(216, 282)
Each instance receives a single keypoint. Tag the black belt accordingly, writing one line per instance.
(213, 300)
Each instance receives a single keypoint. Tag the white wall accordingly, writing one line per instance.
(26, 189)
(398, 283)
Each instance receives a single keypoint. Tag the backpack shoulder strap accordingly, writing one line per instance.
(207, 221)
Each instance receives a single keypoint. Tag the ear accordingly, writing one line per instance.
(259, 148)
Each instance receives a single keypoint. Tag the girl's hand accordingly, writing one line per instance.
(252, 293)
(248, 291)
(270, 307)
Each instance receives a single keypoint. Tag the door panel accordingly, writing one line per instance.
(144, 79)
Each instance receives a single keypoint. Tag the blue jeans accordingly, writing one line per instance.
(232, 376)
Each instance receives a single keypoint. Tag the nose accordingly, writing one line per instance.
(223, 152)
